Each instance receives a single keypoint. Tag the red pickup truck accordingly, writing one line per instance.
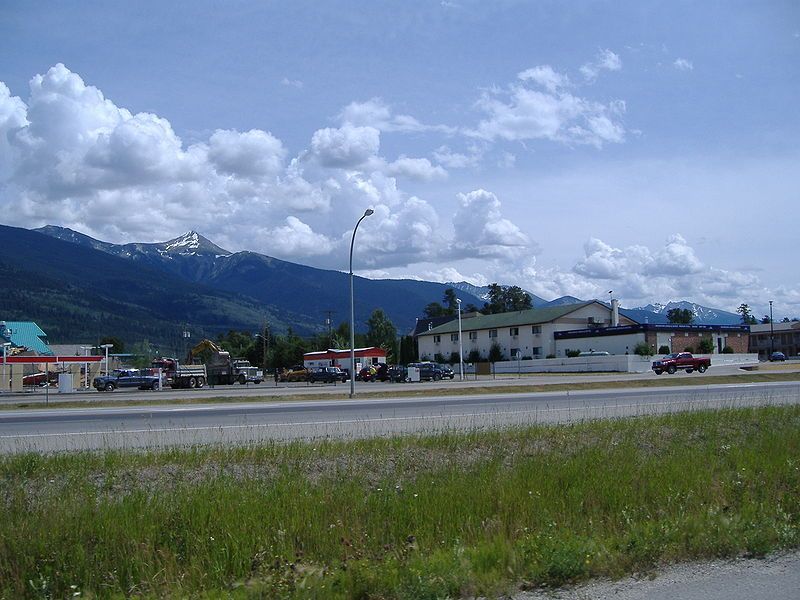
(680, 360)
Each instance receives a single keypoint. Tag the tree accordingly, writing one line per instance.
(506, 299)
(474, 356)
(746, 314)
(681, 316)
(433, 310)
(495, 353)
(765, 320)
(381, 332)
(663, 349)
(643, 349)
(450, 303)
(118, 346)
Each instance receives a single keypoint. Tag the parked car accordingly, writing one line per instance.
(373, 373)
(680, 360)
(295, 373)
(40, 379)
(447, 371)
(777, 357)
(397, 373)
(126, 378)
(327, 375)
(428, 371)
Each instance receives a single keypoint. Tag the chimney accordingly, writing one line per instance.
(614, 312)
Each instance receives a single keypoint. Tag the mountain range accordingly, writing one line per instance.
(80, 289)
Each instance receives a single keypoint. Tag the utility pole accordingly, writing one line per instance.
(771, 332)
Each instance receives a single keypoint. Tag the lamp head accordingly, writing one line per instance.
(368, 212)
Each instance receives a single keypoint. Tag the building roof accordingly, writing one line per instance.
(333, 353)
(776, 327)
(25, 334)
(533, 316)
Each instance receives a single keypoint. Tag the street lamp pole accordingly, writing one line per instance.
(106, 346)
(460, 343)
(86, 365)
(5, 380)
(771, 332)
(367, 213)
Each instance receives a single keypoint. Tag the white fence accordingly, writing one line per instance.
(619, 363)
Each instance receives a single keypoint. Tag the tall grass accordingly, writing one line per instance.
(416, 517)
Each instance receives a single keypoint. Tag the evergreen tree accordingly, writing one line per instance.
(682, 316)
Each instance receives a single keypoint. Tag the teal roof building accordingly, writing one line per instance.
(25, 334)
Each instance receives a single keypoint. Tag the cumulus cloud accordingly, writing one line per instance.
(346, 147)
(548, 111)
(296, 237)
(295, 83)
(683, 64)
(480, 228)
(606, 60)
(415, 168)
(253, 153)
(457, 160)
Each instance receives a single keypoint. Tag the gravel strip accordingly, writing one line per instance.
(773, 578)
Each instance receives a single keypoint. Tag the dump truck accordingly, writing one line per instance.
(221, 368)
(178, 375)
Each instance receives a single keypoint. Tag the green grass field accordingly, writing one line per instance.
(415, 517)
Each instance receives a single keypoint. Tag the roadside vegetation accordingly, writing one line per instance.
(453, 515)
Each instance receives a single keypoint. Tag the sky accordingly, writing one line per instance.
(571, 148)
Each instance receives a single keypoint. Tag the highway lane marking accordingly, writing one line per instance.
(351, 422)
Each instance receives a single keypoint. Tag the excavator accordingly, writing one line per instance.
(221, 368)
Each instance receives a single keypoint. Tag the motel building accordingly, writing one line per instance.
(590, 326)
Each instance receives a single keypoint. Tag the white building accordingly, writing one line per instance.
(528, 332)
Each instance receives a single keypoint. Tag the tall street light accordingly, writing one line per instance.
(106, 346)
(86, 365)
(5, 380)
(367, 213)
(771, 332)
(460, 342)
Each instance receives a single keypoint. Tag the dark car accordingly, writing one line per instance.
(327, 375)
(447, 371)
(777, 357)
(428, 371)
(397, 373)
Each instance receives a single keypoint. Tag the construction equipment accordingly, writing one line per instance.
(221, 368)
(178, 375)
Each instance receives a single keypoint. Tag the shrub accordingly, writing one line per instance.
(454, 358)
(663, 349)
(474, 356)
(573, 353)
(495, 353)
(689, 349)
(550, 356)
(728, 350)
(643, 349)
(439, 357)
(706, 346)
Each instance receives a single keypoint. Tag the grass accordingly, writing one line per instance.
(454, 515)
(410, 390)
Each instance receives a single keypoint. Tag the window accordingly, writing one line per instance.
(493, 333)
(473, 335)
(515, 353)
(453, 337)
(437, 339)
(536, 329)
(514, 331)
(536, 350)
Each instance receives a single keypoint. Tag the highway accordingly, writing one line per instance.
(150, 427)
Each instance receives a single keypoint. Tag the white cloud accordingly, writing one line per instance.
(415, 168)
(683, 64)
(378, 114)
(295, 83)
(545, 76)
(346, 147)
(524, 113)
(456, 160)
(606, 60)
(253, 153)
(297, 238)
(481, 230)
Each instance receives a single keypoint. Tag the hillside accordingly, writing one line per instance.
(146, 289)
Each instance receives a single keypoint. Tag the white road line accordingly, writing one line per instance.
(354, 421)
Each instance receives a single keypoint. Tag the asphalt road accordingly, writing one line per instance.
(49, 430)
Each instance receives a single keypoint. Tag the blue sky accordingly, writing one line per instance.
(570, 148)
